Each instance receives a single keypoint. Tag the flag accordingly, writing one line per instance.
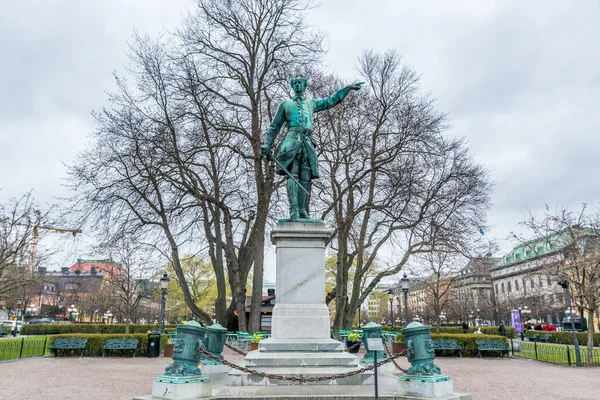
(547, 207)
(481, 231)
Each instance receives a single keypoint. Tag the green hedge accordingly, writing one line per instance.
(95, 344)
(486, 330)
(565, 337)
(466, 340)
(57, 329)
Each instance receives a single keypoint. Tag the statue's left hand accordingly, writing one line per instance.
(356, 86)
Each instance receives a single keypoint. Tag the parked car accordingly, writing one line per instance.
(9, 324)
(40, 321)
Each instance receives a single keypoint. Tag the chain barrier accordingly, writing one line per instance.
(229, 346)
(296, 379)
(353, 346)
(389, 352)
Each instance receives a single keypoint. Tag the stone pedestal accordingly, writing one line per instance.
(300, 343)
(191, 390)
(428, 390)
(212, 369)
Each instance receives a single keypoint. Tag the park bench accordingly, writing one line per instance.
(447, 344)
(120, 344)
(540, 338)
(3, 332)
(68, 344)
(491, 345)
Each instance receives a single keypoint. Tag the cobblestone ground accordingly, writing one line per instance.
(73, 378)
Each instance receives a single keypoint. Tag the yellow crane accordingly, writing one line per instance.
(36, 236)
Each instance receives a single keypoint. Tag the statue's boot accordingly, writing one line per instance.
(302, 199)
(292, 191)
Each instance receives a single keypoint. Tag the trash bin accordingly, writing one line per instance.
(153, 344)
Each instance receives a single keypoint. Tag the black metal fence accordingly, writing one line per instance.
(554, 353)
(11, 349)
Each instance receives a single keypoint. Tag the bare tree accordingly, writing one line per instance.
(439, 271)
(17, 218)
(129, 279)
(177, 156)
(392, 181)
(570, 244)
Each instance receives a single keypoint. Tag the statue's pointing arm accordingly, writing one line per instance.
(274, 129)
(335, 99)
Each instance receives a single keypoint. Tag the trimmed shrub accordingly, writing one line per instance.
(565, 337)
(95, 344)
(58, 329)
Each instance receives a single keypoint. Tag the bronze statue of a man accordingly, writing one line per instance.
(297, 158)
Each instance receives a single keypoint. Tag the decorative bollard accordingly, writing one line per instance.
(424, 378)
(183, 379)
(214, 343)
(370, 331)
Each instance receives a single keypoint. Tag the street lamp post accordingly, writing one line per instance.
(565, 285)
(73, 312)
(390, 293)
(20, 303)
(164, 284)
(471, 318)
(478, 320)
(404, 284)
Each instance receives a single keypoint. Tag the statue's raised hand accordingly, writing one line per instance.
(356, 86)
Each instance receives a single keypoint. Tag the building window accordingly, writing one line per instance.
(532, 284)
(524, 286)
(541, 282)
(548, 280)
(502, 287)
(497, 288)
(517, 286)
(509, 287)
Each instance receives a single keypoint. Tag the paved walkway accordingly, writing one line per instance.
(73, 378)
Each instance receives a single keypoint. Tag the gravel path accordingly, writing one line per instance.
(75, 378)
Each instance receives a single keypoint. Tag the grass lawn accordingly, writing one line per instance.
(556, 354)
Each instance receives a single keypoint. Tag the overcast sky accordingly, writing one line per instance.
(519, 79)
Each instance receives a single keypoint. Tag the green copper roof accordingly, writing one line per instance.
(542, 246)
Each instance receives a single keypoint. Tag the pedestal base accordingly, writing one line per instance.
(182, 391)
(308, 358)
(428, 390)
(212, 369)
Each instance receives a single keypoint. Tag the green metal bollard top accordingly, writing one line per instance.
(372, 330)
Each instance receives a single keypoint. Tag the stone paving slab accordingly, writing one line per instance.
(116, 378)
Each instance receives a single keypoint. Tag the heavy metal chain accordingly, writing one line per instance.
(394, 356)
(296, 379)
(235, 349)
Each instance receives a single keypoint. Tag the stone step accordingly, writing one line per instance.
(301, 345)
(298, 359)
(239, 378)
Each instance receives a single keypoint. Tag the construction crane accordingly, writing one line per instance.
(36, 236)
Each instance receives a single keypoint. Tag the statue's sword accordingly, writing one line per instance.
(270, 157)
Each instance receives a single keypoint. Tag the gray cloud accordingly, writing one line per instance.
(519, 79)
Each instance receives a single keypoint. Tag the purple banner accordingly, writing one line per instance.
(516, 320)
